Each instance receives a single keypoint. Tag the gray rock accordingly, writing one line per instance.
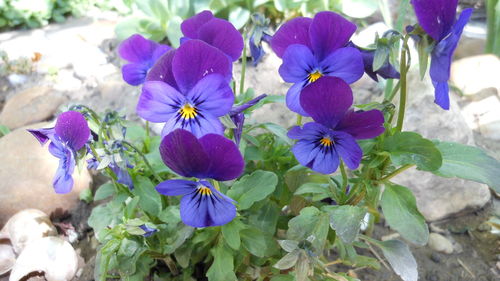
(484, 116)
(439, 243)
(26, 173)
(30, 106)
(474, 74)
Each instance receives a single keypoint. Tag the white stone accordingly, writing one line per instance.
(484, 116)
(474, 74)
(439, 243)
(367, 35)
(7, 258)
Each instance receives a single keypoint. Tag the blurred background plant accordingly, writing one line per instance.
(493, 18)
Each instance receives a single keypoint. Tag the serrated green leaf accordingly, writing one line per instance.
(400, 210)
(381, 56)
(310, 224)
(253, 188)
(265, 217)
(468, 162)
(412, 148)
(346, 221)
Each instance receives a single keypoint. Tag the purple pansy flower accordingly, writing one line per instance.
(312, 48)
(217, 32)
(188, 88)
(141, 54)
(438, 19)
(69, 135)
(333, 135)
(210, 157)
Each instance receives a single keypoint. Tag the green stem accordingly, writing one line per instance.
(344, 177)
(396, 172)
(243, 68)
(147, 129)
(491, 28)
(403, 87)
(155, 175)
(299, 120)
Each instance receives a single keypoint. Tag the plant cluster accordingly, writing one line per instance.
(219, 197)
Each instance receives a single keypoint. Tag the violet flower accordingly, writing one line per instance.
(148, 231)
(333, 135)
(238, 117)
(210, 157)
(122, 175)
(255, 44)
(69, 135)
(437, 18)
(141, 54)
(188, 88)
(312, 48)
(217, 32)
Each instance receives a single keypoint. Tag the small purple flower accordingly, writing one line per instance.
(238, 117)
(69, 135)
(333, 135)
(217, 32)
(210, 157)
(387, 71)
(188, 88)
(312, 48)
(141, 54)
(438, 19)
(148, 230)
(255, 44)
(122, 175)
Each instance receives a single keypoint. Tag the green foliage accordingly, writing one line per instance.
(253, 188)
(400, 258)
(346, 221)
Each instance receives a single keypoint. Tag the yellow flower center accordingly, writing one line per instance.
(314, 76)
(326, 141)
(188, 111)
(203, 190)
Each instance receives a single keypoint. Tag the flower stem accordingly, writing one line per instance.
(299, 120)
(243, 68)
(403, 87)
(344, 177)
(147, 129)
(396, 172)
(155, 175)
(216, 185)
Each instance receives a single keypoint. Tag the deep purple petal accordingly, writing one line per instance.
(441, 94)
(298, 63)
(328, 32)
(176, 187)
(181, 152)
(310, 131)
(325, 162)
(386, 71)
(443, 52)
(122, 175)
(63, 181)
(348, 149)
(293, 99)
(199, 210)
(162, 70)
(295, 31)
(226, 162)
(42, 135)
(212, 94)
(222, 35)
(159, 101)
(238, 109)
(191, 26)
(137, 49)
(72, 128)
(196, 59)
(238, 120)
(148, 230)
(362, 124)
(345, 63)
(134, 73)
(327, 100)
(435, 16)
(204, 123)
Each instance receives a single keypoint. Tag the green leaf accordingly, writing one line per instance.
(130, 207)
(222, 267)
(310, 224)
(102, 217)
(470, 163)
(412, 148)
(288, 245)
(359, 8)
(423, 50)
(3, 129)
(288, 261)
(150, 200)
(319, 191)
(279, 131)
(400, 211)
(299, 175)
(258, 243)
(104, 191)
(253, 188)
(227, 122)
(381, 56)
(181, 236)
(400, 258)
(346, 221)
(86, 195)
(174, 33)
(283, 277)
(238, 16)
(231, 233)
(265, 217)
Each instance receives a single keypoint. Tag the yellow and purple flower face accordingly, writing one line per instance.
(141, 54)
(438, 19)
(333, 135)
(69, 135)
(210, 157)
(313, 48)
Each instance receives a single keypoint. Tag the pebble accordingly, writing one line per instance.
(439, 243)
(484, 75)
(435, 257)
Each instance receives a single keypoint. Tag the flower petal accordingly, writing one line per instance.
(362, 124)
(42, 135)
(162, 70)
(134, 73)
(328, 32)
(310, 131)
(222, 35)
(295, 31)
(345, 63)
(72, 128)
(181, 152)
(293, 99)
(212, 94)
(204, 123)
(176, 187)
(348, 149)
(159, 101)
(327, 100)
(325, 163)
(137, 49)
(298, 63)
(226, 162)
(63, 181)
(191, 26)
(435, 16)
(196, 59)
(441, 94)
